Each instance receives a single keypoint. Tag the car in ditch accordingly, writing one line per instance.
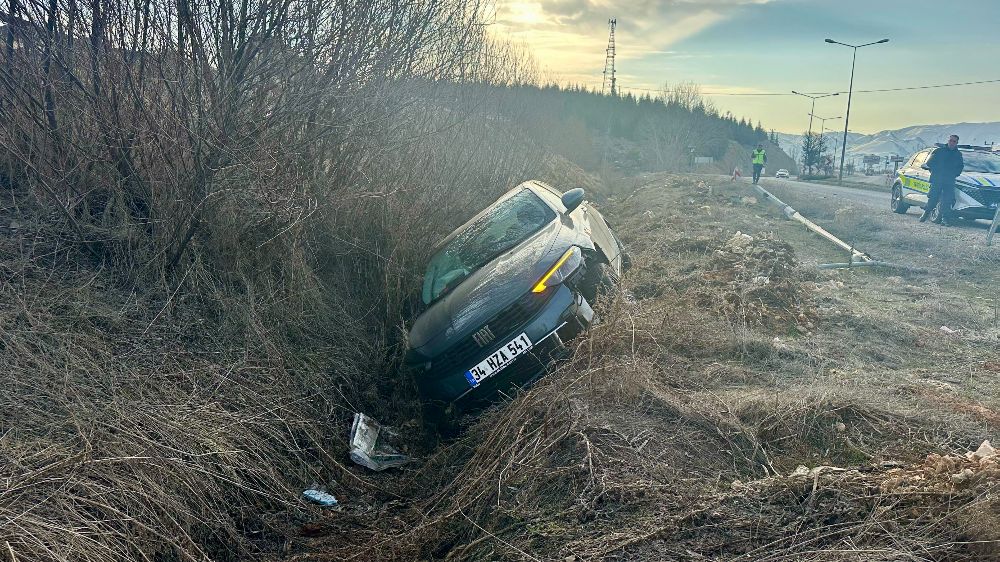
(977, 190)
(506, 290)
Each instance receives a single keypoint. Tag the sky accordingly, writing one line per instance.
(776, 46)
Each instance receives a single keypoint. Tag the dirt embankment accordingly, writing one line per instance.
(735, 404)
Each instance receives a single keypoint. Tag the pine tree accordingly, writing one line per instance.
(813, 147)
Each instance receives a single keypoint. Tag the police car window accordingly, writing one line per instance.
(982, 162)
(919, 159)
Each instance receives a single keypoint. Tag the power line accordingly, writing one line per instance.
(929, 87)
(900, 89)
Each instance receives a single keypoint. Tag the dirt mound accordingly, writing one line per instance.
(760, 283)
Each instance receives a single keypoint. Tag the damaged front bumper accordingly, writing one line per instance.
(563, 315)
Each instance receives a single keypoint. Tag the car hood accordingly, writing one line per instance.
(979, 179)
(490, 289)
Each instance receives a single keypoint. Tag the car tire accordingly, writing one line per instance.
(598, 279)
(626, 261)
(896, 201)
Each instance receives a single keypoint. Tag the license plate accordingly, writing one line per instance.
(498, 360)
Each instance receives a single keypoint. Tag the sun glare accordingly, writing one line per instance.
(525, 13)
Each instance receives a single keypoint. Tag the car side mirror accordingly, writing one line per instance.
(572, 199)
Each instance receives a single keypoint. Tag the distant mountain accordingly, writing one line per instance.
(902, 142)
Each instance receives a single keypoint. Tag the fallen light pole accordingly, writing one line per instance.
(857, 256)
(869, 263)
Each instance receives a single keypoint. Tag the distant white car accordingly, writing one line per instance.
(782, 173)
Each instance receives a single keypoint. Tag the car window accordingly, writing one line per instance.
(505, 225)
(983, 162)
(919, 158)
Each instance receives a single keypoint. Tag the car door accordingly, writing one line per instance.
(916, 180)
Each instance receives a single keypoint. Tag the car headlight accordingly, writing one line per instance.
(560, 271)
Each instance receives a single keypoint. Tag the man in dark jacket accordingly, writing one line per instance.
(945, 164)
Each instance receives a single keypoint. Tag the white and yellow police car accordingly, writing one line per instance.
(977, 190)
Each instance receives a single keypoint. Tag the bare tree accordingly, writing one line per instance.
(272, 168)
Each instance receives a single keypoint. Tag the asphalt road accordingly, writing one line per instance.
(836, 195)
(805, 196)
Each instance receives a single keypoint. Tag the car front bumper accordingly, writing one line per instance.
(564, 315)
(976, 212)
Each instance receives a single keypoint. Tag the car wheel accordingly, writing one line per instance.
(597, 279)
(896, 203)
(626, 261)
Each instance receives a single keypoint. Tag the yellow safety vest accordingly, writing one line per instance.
(758, 156)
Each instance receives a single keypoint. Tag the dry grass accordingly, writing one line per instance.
(183, 423)
(181, 418)
(119, 444)
(672, 431)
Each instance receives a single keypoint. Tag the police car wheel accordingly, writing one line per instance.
(896, 203)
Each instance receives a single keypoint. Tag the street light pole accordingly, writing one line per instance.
(850, 91)
(813, 109)
(823, 120)
(822, 130)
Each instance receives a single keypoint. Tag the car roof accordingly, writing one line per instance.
(968, 147)
(964, 148)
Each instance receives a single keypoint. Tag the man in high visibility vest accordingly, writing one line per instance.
(758, 157)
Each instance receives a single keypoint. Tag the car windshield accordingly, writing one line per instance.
(505, 225)
(982, 162)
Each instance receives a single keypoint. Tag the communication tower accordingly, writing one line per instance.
(609, 60)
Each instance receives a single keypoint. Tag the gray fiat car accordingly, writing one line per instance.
(506, 289)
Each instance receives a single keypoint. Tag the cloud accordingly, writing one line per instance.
(569, 37)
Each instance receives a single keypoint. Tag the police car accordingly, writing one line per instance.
(977, 190)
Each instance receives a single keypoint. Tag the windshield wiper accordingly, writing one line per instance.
(449, 287)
